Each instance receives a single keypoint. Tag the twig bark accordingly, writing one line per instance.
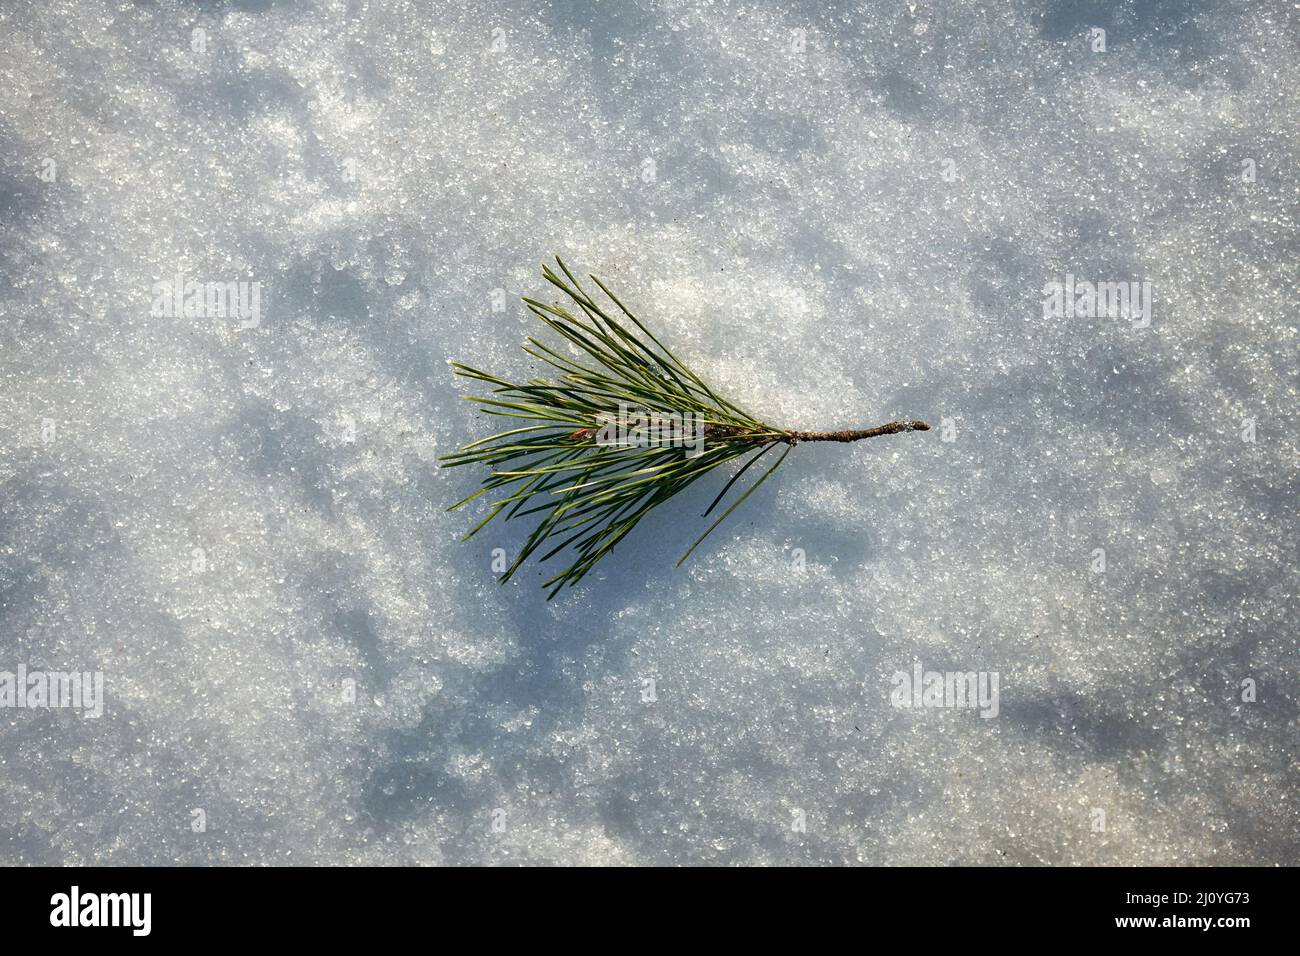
(735, 433)
(855, 434)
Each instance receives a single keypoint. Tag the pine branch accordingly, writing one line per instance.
(623, 428)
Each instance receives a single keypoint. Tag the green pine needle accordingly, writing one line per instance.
(592, 493)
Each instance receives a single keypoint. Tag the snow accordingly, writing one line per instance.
(840, 214)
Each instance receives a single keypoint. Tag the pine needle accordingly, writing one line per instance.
(671, 430)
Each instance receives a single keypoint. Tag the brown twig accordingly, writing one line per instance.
(734, 433)
(893, 428)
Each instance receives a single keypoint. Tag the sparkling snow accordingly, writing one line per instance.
(840, 213)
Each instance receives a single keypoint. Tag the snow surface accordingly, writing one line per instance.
(232, 523)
